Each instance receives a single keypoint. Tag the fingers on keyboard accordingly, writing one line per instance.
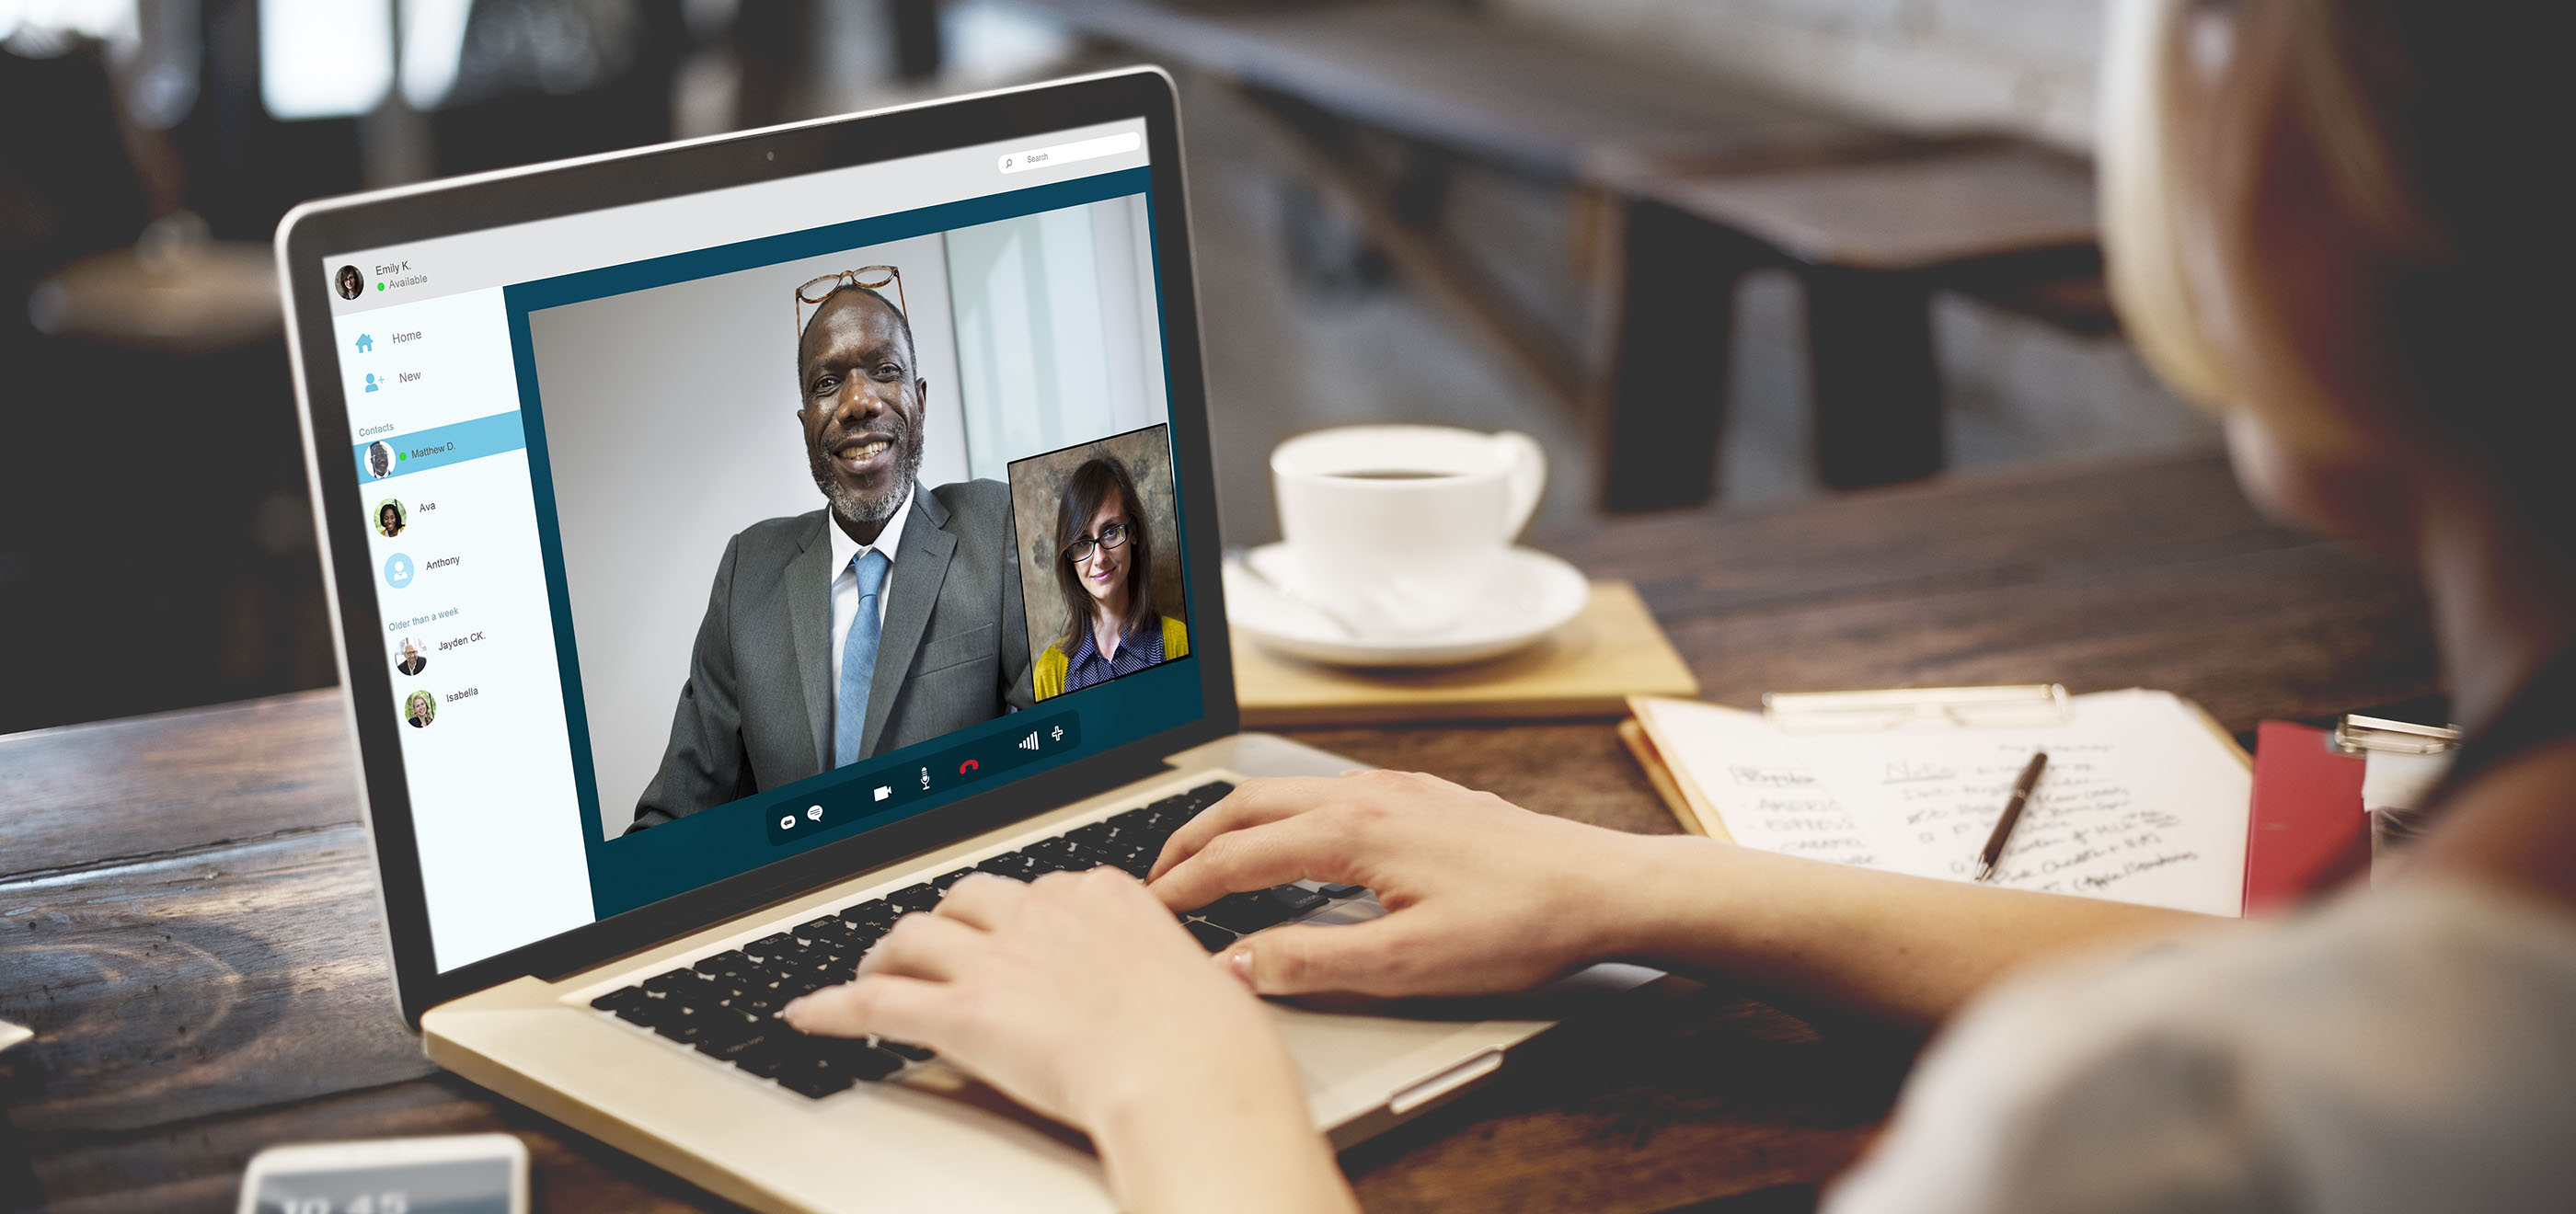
(726, 1006)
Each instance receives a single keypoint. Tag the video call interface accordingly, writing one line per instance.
(766, 544)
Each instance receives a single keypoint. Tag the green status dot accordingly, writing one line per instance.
(402, 455)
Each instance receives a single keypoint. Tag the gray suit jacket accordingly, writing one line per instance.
(757, 709)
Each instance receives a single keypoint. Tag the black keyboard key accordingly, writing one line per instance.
(1098, 834)
(807, 983)
(736, 1048)
(1095, 857)
(722, 1026)
(1238, 913)
(1210, 936)
(1297, 898)
(1014, 865)
(771, 1055)
(1339, 892)
(913, 1052)
(946, 879)
(681, 1024)
(624, 996)
(1248, 913)
(812, 1081)
(663, 984)
(1213, 791)
(874, 910)
(730, 968)
(920, 897)
(806, 1056)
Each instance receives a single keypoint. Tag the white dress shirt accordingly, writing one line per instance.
(2406, 1050)
(845, 580)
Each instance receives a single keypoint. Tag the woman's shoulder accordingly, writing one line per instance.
(2397, 1051)
(1176, 638)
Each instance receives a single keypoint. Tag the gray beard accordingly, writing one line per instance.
(866, 511)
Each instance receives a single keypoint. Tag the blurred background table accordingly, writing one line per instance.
(187, 917)
(1748, 253)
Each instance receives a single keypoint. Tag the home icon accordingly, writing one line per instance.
(365, 343)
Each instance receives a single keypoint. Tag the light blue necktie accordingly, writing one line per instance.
(859, 659)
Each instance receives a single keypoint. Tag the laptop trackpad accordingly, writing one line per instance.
(1356, 1052)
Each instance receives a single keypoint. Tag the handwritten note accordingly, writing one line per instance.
(2141, 802)
(1771, 798)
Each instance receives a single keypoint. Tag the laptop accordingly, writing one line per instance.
(708, 530)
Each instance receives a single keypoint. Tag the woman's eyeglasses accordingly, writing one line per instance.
(1111, 536)
(866, 277)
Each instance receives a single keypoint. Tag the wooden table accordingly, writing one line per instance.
(186, 916)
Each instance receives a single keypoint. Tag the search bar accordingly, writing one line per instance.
(1067, 153)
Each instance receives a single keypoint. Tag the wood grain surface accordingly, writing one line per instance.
(188, 922)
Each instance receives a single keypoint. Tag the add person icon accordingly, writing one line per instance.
(371, 381)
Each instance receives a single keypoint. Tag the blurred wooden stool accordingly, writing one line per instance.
(1869, 241)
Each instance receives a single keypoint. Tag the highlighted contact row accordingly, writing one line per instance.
(440, 446)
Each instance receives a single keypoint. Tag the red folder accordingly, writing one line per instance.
(2306, 833)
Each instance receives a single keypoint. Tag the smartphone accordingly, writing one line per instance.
(455, 1174)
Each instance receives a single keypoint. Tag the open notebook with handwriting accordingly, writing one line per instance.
(2144, 798)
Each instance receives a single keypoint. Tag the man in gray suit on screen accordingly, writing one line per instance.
(891, 616)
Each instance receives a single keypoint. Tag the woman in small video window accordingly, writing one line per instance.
(389, 519)
(1106, 571)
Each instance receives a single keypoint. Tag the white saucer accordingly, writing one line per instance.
(1531, 595)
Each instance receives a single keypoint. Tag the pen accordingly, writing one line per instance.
(2012, 813)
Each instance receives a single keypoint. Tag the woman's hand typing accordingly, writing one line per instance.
(1080, 996)
(1481, 895)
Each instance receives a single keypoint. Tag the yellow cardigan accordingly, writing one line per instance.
(1047, 679)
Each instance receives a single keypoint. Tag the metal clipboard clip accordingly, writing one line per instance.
(2357, 734)
(2020, 706)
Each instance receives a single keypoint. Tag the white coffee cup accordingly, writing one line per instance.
(1396, 529)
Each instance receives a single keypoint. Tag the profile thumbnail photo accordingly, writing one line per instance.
(789, 545)
(1100, 560)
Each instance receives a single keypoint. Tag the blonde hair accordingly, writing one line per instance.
(2145, 241)
(2432, 127)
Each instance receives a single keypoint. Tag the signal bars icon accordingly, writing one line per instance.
(1030, 742)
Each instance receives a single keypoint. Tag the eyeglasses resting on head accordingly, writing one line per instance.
(817, 291)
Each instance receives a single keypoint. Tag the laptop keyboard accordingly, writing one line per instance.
(726, 1006)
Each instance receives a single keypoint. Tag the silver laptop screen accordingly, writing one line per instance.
(711, 529)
